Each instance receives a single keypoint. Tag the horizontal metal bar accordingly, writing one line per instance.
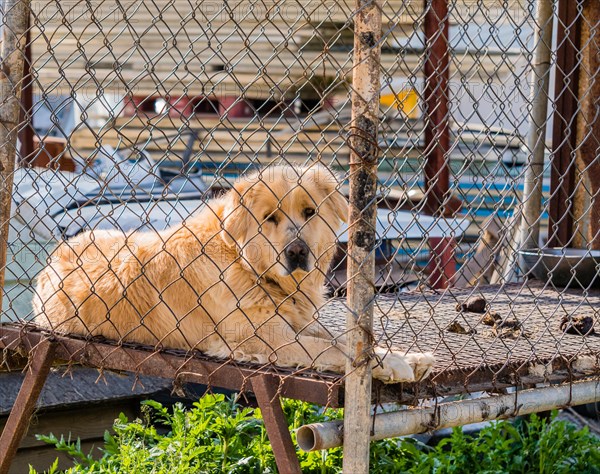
(319, 388)
(400, 423)
(184, 367)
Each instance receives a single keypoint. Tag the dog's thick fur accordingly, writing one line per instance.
(221, 282)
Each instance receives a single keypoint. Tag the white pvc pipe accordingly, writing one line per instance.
(420, 420)
(540, 80)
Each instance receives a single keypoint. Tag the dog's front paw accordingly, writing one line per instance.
(394, 367)
(421, 363)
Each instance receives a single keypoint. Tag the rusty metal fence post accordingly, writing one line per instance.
(362, 221)
(436, 69)
(588, 126)
(564, 134)
(12, 54)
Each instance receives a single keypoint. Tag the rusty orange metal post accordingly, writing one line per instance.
(437, 129)
(266, 390)
(437, 135)
(442, 265)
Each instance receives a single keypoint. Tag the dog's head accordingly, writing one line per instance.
(284, 219)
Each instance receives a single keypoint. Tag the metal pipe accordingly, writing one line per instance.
(361, 232)
(12, 54)
(436, 72)
(540, 80)
(445, 415)
(437, 135)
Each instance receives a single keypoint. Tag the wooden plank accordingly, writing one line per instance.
(185, 78)
(247, 14)
(239, 12)
(214, 139)
(287, 40)
(239, 61)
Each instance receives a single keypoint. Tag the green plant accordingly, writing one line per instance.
(218, 435)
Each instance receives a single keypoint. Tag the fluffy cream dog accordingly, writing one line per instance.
(243, 278)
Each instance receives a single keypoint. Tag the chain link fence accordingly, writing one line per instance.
(181, 185)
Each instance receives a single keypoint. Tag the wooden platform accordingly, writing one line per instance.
(531, 348)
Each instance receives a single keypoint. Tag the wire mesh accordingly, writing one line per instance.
(181, 187)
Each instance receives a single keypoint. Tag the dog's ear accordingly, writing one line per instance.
(236, 214)
(340, 205)
(329, 182)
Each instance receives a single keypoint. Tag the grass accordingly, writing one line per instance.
(219, 436)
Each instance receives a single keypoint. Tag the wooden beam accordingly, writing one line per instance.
(20, 415)
(266, 389)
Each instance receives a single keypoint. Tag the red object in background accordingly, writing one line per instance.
(180, 106)
(442, 265)
(234, 107)
(50, 153)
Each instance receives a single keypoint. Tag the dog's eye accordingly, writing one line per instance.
(308, 212)
(271, 217)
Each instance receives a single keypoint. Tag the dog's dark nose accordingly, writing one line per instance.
(297, 255)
